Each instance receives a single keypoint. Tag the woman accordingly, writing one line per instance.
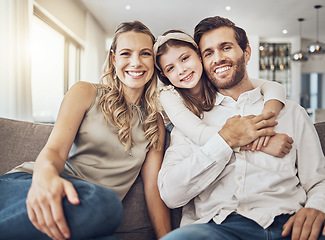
(117, 132)
(187, 93)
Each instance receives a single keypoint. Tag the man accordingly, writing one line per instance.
(243, 195)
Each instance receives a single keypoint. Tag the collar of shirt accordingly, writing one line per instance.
(250, 96)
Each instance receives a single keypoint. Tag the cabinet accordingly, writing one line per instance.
(274, 63)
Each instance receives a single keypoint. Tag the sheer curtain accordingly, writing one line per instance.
(15, 61)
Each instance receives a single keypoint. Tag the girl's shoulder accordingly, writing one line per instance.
(167, 91)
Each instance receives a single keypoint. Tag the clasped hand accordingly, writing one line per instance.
(239, 131)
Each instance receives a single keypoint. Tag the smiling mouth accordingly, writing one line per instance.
(188, 77)
(222, 69)
(135, 74)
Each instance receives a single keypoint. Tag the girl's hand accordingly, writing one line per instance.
(44, 205)
(279, 145)
(259, 143)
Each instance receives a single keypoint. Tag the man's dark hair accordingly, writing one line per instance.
(216, 22)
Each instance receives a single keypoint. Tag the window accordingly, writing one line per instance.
(311, 90)
(55, 66)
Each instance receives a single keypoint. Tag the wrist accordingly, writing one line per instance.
(224, 134)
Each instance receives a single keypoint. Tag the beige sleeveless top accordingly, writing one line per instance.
(98, 156)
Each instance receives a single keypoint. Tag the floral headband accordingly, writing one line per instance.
(177, 36)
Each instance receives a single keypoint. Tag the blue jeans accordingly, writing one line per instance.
(235, 227)
(97, 216)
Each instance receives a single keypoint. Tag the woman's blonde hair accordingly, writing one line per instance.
(209, 91)
(113, 104)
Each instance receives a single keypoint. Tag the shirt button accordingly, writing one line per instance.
(239, 177)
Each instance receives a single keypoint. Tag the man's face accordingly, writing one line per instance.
(223, 59)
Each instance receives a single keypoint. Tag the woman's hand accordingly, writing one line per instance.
(44, 204)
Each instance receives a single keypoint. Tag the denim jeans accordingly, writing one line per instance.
(235, 227)
(97, 216)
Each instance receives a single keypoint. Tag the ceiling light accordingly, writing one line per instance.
(128, 7)
(228, 8)
(300, 56)
(316, 47)
(284, 31)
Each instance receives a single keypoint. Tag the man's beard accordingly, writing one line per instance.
(239, 73)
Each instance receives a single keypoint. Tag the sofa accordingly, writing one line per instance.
(22, 141)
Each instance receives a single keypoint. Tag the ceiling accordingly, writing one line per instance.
(264, 18)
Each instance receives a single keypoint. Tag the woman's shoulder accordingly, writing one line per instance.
(85, 86)
(83, 92)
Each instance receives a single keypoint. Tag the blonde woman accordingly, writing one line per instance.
(117, 133)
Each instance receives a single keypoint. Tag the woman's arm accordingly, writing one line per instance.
(158, 212)
(44, 200)
(185, 121)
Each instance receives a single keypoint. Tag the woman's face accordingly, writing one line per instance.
(182, 66)
(133, 60)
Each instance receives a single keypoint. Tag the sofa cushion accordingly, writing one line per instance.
(136, 223)
(21, 142)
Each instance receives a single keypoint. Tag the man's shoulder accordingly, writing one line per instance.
(292, 105)
(293, 109)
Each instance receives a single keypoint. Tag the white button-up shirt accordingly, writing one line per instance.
(212, 181)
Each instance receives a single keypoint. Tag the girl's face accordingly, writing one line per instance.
(182, 66)
(133, 60)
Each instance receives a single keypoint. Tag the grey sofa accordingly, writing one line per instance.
(22, 141)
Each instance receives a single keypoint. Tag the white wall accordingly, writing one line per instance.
(95, 51)
(253, 64)
(71, 14)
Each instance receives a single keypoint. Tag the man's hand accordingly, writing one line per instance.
(306, 224)
(239, 131)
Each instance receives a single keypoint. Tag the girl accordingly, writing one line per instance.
(186, 94)
(117, 132)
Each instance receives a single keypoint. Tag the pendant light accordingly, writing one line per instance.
(300, 56)
(316, 47)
